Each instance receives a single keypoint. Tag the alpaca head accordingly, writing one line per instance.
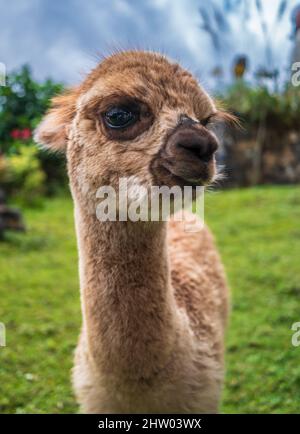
(135, 115)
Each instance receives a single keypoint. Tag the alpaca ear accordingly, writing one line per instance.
(52, 132)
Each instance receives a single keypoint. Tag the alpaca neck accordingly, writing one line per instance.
(128, 305)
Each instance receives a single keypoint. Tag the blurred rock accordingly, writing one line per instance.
(10, 218)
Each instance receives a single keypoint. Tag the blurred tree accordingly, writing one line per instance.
(23, 101)
(254, 104)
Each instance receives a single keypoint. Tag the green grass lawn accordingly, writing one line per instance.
(258, 232)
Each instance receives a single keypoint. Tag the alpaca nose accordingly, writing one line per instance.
(197, 143)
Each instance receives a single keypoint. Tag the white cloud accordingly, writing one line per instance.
(60, 39)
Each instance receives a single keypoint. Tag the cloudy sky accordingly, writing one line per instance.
(63, 39)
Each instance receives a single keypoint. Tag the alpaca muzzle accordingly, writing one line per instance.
(188, 154)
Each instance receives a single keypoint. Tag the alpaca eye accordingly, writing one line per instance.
(118, 117)
(205, 121)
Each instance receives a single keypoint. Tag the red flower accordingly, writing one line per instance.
(26, 133)
(15, 134)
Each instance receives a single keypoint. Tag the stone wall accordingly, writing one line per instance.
(261, 157)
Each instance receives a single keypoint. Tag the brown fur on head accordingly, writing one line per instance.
(169, 142)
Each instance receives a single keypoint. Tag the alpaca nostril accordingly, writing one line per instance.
(202, 149)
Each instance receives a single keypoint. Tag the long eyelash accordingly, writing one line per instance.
(221, 117)
(227, 118)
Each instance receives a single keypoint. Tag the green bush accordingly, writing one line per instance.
(258, 104)
(21, 174)
(23, 102)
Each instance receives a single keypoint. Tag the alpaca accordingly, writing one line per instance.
(154, 297)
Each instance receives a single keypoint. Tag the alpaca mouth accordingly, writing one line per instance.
(190, 172)
(191, 179)
(170, 175)
(187, 180)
